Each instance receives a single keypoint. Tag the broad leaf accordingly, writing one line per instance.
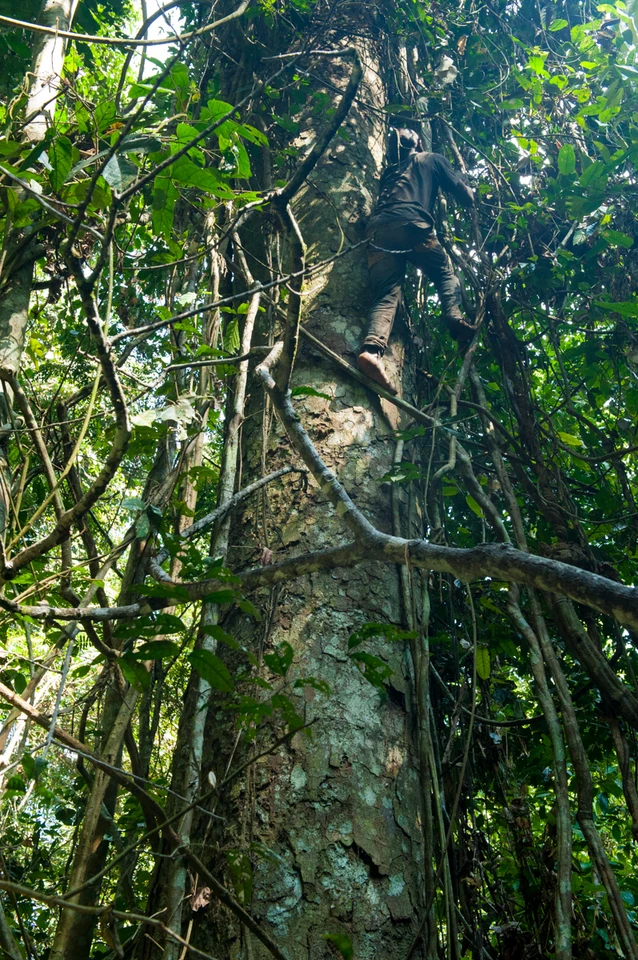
(119, 173)
(483, 664)
(61, 160)
(213, 670)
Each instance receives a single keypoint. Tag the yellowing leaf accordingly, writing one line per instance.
(483, 664)
(473, 505)
(570, 439)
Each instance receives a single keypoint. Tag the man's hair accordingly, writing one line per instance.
(408, 139)
(401, 143)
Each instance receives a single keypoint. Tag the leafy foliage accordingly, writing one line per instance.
(132, 201)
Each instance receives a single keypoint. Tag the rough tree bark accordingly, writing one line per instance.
(341, 810)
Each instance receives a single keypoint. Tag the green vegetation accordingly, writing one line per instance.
(148, 262)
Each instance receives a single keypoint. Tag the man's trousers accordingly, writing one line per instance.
(392, 246)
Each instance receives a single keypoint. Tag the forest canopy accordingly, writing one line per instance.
(289, 666)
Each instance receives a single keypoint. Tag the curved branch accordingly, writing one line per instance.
(499, 561)
(157, 813)
(120, 41)
(115, 455)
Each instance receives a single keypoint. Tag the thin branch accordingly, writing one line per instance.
(235, 297)
(218, 361)
(155, 810)
(500, 561)
(118, 445)
(99, 911)
(206, 522)
(46, 205)
(120, 41)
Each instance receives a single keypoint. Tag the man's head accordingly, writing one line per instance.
(408, 140)
(402, 143)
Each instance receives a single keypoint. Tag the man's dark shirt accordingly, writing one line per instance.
(408, 189)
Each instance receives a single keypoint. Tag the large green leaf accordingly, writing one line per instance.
(186, 172)
(212, 669)
(566, 159)
(119, 173)
(483, 664)
(164, 196)
(61, 160)
(135, 673)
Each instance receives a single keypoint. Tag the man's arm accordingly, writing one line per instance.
(451, 182)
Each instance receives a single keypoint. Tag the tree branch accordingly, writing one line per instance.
(120, 41)
(157, 813)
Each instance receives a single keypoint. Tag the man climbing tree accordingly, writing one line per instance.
(402, 229)
(413, 734)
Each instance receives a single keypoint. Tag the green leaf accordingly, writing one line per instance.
(216, 632)
(185, 171)
(375, 670)
(220, 596)
(164, 590)
(386, 630)
(142, 526)
(213, 670)
(39, 766)
(135, 673)
(156, 650)
(104, 115)
(280, 659)
(252, 134)
(215, 109)
(558, 25)
(342, 943)
(592, 173)
(248, 607)
(16, 784)
(33, 766)
(165, 194)
(627, 309)
(566, 159)
(483, 665)
(285, 705)
(618, 239)
(133, 504)
(179, 76)
(242, 875)
(168, 623)
(309, 392)
(140, 143)
(570, 439)
(474, 506)
(61, 160)
(119, 173)
(232, 342)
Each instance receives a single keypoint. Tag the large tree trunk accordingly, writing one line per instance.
(341, 810)
(48, 60)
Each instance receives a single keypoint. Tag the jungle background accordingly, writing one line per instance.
(289, 667)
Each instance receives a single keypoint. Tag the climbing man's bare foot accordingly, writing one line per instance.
(372, 365)
(461, 329)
